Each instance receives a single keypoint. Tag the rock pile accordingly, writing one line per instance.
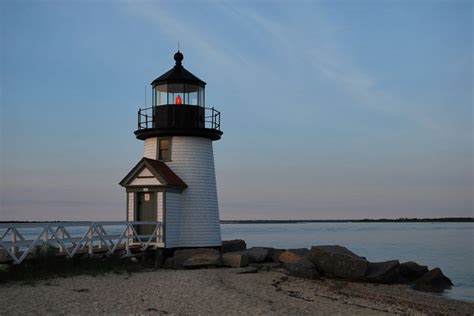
(332, 261)
(339, 262)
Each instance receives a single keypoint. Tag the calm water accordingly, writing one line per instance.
(449, 246)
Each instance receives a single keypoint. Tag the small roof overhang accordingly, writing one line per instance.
(160, 171)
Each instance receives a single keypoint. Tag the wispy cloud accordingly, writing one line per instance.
(192, 36)
(319, 48)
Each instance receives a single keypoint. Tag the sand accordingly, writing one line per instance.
(218, 292)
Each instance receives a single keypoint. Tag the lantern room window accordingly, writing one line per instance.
(178, 93)
(160, 94)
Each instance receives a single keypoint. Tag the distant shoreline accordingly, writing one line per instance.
(300, 221)
(381, 220)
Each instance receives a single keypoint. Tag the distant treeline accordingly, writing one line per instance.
(295, 221)
(32, 222)
(366, 220)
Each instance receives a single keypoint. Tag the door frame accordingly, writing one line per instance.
(154, 208)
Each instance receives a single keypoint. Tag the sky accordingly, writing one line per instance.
(330, 109)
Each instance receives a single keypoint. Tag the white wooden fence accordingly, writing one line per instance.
(18, 240)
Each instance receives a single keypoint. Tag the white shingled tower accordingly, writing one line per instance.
(175, 181)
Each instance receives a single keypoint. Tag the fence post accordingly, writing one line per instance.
(61, 236)
(162, 231)
(100, 237)
(14, 248)
(45, 235)
(127, 240)
(90, 239)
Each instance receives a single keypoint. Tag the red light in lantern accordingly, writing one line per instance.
(178, 99)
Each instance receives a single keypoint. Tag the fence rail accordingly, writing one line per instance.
(18, 240)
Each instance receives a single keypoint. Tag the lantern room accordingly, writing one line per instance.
(178, 86)
(178, 107)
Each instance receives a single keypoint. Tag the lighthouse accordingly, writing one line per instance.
(175, 182)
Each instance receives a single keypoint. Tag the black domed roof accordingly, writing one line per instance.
(178, 74)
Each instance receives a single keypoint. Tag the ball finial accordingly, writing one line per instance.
(178, 57)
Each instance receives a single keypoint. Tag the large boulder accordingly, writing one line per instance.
(181, 256)
(433, 281)
(412, 270)
(203, 260)
(233, 245)
(235, 259)
(338, 261)
(274, 254)
(302, 268)
(258, 254)
(383, 272)
(293, 255)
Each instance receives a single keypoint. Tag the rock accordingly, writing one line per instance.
(4, 267)
(433, 281)
(339, 262)
(235, 259)
(282, 270)
(246, 270)
(267, 266)
(159, 258)
(387, 272)
(258, 254)
(302, 268)
(263, 254)
(412, 270)
(293, 255)
(44, 251)
(203, 260)
(233, 245)
(181, 256)
(4, 256)
(274, 254)
(168, 263)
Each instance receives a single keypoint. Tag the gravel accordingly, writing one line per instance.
(217, 292)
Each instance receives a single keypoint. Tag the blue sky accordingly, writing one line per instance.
(330, 109)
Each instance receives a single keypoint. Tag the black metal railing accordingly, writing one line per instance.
(148, 118)
(145, 118)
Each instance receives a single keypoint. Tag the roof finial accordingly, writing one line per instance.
(178, 57)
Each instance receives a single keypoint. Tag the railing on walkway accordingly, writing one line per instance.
(211, 119)
(18, 240)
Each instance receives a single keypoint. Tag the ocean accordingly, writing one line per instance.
(449, 246)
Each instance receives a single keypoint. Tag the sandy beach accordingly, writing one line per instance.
(218, 292)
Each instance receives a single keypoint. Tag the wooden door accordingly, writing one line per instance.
(146, 211)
